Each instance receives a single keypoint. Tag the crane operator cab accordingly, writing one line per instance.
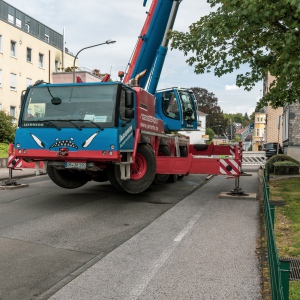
(177, 108)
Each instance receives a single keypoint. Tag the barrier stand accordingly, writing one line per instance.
(237, 191)
(10, 181)
(13, 163)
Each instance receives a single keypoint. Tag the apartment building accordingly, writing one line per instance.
(273, 132)
(291, 130)
(29, 51)
(258, 138)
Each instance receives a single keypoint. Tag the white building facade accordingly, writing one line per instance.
(29, 51)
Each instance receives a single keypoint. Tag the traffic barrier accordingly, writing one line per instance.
(229, 167)
(17, 163)
(254, 158)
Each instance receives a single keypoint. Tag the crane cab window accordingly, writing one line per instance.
(170, 105)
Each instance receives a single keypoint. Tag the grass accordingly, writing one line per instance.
(3, 150)
(287, 223)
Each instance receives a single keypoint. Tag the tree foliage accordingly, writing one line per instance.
(261, 34)
(207, 103)
(7, 128)
(210, 133)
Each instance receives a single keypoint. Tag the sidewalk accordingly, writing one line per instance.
(202, 248)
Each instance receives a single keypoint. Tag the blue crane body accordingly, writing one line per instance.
(119, 131)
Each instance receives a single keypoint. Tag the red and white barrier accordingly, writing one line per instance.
(230, 167)
(17, 163)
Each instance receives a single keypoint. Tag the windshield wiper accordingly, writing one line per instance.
(78, 127)
(97, 125)
(70, 121)
(52, 123)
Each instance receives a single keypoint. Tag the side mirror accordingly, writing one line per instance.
(129, 99)
(22, 96)
(129, 113)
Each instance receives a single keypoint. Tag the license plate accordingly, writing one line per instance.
(75, 165)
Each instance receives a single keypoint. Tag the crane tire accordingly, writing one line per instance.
(142, 172)
(100, 176)
(68, 179)
(162, 178)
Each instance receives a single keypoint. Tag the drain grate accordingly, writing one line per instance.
(295, 268)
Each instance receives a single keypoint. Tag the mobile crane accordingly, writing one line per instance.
(118, 131)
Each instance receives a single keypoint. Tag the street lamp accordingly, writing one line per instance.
(107, 42)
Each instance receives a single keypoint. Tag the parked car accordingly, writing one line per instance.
(271, 149)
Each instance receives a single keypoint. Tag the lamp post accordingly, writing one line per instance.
(107, 42)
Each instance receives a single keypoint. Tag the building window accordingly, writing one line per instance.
(46, 38)
(41, 60)
(0, 78)
(28, 82)
(0, 43)
(57, 64)
(28, 56)
(13, 48)
(13, 113)
(11, 19)
(27, 27)
(13, 81)
(257, 132)
(0, 106)
(18, 23)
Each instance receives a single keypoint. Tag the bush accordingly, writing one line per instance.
(279, 158)
(3, 150)
(286, 168)
(7, 128)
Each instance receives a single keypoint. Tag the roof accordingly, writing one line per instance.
(200, 113)
(240, 130)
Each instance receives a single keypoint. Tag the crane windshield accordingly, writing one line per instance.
(187, 105)
(88, 104)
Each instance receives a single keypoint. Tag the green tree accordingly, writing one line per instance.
(210, 133)
(207, 103)
(7, 128)
(236, 138)
(263, 35)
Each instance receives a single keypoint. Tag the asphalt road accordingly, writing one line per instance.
(49, 235)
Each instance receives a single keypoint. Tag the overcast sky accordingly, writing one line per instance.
(91, 22)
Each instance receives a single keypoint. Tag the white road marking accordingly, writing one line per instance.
(139, 288)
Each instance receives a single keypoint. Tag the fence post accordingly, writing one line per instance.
(272, 212)
(285, 277)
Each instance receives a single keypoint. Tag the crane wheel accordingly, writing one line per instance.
(68, 179)
(142, 172)
(100, 176)
(162, 178)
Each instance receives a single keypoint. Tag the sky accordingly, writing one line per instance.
(91, 22)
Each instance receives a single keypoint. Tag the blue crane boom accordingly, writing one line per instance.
(151, 48)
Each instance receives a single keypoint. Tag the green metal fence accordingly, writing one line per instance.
(279, 268)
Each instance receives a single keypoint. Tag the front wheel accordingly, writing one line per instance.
(68, 179)
(142, 172)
